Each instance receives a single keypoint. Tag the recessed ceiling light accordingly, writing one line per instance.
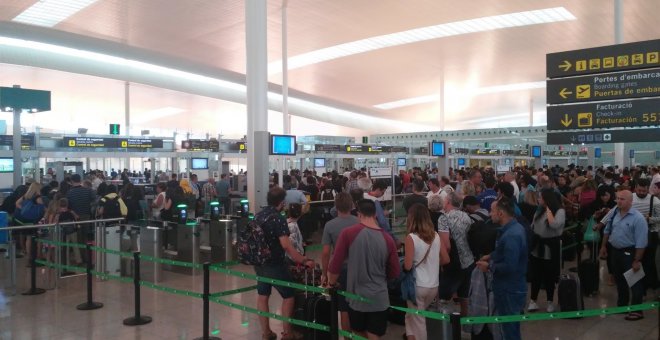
(490, 23)
(482, 90)
(49, 13)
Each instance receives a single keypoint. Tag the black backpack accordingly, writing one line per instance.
(111, 208)
(327, 195)
(67, 216)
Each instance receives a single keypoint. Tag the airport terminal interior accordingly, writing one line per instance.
(140, 140)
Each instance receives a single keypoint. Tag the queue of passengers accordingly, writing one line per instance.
(490, 235)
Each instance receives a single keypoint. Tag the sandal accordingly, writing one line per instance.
(270, 336)
(634, 316)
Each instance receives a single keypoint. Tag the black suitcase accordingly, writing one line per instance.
(315, 308)
(396, 316)
(569, 292)
(588, 272)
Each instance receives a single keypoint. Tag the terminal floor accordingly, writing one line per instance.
(53, 315)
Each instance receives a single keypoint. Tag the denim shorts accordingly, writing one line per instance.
(276, 272)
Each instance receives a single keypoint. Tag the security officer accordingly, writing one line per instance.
(626, 237)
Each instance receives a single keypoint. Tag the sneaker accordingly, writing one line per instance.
(551, 307)
(532, 307)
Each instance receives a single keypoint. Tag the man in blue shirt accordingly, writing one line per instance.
(222, 190)
(489, 195)
(508, 264)
(624, 239)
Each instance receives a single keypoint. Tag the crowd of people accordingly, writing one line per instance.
(472, 236)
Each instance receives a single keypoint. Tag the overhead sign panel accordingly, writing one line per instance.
(89, 142)
(112, 143)
(328, 147)
(604, 136)
(141, 143)
(637, 55)
(27, 141)
(605, 115)
(629, 84)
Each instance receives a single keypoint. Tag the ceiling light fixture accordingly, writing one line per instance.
(479, 91)
(49, 13)
(220, 84)
(542, 16)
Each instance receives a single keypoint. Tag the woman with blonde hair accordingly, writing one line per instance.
(468, 188)
(425, 255)
(29, 210)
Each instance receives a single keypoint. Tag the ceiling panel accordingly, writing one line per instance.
(212, 33)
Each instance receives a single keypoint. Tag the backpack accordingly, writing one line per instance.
(111, 208)
(253, 248)
(67, 216)
(454, 265)
(327, 195)
(31, 211)
(482, 237)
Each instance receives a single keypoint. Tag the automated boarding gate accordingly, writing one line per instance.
(186, 247)
(223, 234)
(151, 244)
(120, 238)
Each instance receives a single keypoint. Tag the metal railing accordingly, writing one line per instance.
(56, 235)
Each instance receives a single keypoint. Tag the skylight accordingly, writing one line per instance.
(542, 16)
(482, 90)
(49, 13)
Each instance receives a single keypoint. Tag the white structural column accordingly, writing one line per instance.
(127, 119)
(441, 102)
(17, 148)
(619, 148)
(286, 117)
(257, 103)
(531, 111)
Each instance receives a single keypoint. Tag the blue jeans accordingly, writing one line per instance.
(510, 303)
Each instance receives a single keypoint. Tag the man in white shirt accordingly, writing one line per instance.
(434, 188)
(655, 178)
(509, 177)
(642, 202)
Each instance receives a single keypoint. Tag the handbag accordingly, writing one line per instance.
(590, 235)
(408, 283)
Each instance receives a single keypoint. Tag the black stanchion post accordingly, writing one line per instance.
(33, 269)
(89, 305)
(137, 319)
(455, 319)
(205, 298)
(334, 319)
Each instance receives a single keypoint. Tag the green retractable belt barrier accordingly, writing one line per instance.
(560, 315)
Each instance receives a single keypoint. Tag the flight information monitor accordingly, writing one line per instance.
(6, 164)
(536, 151)
(438, 149)
(200, 163)
(401, 162)
(283, 145)
(319, 162)
(461, 162)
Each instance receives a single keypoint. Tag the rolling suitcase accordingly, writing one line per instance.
(569, 292)
(313, 308)
(588, 272)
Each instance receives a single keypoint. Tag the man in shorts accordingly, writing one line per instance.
(331, 232)
(373, 261)
(454, 224)
(276, 230)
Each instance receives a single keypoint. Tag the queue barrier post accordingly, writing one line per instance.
(137, 319)
(455, 320)
(33, 269)
(90, 304)
(334, 310)
(205, 299)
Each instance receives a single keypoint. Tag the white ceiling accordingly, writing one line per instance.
(211, 33)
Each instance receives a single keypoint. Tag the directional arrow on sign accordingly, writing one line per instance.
(565, 66)
(566, 122)
(563, 93)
